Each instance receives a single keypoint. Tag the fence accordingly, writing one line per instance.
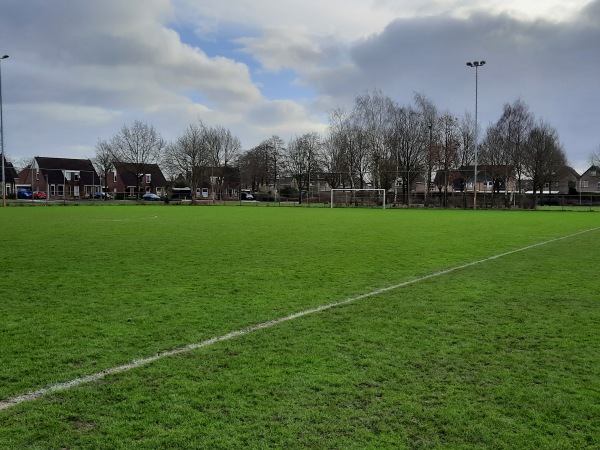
(84, 187)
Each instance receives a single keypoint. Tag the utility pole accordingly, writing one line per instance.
(2, 139)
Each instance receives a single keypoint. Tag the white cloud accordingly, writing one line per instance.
(280, 49)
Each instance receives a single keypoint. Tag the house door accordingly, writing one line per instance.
(76, 191)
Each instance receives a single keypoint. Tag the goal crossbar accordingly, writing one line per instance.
(355, 190)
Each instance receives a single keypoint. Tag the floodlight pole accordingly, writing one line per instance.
(475, 64)
(2, 138)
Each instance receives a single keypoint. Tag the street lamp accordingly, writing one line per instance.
(2, 139)
(477, 65)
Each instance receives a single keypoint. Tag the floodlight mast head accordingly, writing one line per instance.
(476, 63)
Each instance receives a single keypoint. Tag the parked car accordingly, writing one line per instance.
(39, 195)
(103, 195)
(23, 193)
(149, 196)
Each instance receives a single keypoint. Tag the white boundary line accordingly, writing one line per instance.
(33, 395)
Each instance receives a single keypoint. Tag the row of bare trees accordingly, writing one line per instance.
(378, 142)
(382, 143)
(200, 152)
(518, 144)
(375, 144)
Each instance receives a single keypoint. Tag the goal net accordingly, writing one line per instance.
(350, 197)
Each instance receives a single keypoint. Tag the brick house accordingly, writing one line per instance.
(124, 179)
(60, 177)
(565, 181)
(590, 180)
(11, 178)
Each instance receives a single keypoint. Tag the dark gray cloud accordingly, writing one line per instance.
(553, 67)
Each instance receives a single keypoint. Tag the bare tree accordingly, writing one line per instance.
(187, 157)
(495, 158)
(466, 149)
(20, 163)
(346, 153)
(373, 114)
(336, 149)
(223, 149)
(429, 116)
(543, 156)
(594, 157)
(103, 161)
(275, 151)
(409, 143)
(514, 126)
(303, 159)
(138, 147)
(448, 154)
(261, 165)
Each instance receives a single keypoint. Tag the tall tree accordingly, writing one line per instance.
(103, 161)
(223, 149)
(188, 157)
(429, 114)
(514, 126)
(261, 165)
(594, 157)
(346, 150)
(408, 140)
(303, 159)
(448, 153)
(138, 147)
(336, 150)
(543, 156)
(373, 113)
(495, 158)
(466, 135)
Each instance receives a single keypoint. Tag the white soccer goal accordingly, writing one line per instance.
(353, 199)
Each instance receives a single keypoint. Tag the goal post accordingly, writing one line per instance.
(381, 193)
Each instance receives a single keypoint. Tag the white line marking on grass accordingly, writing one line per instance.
(138, 219)
(33, 395)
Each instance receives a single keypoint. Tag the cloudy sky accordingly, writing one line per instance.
(79, 70)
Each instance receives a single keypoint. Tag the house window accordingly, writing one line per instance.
(593, 173)
(76, 176)
(37, 175)
(115, 176)
(584, 184)
(148, 178)
(599, 185)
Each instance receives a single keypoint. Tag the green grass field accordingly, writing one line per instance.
(500, 354)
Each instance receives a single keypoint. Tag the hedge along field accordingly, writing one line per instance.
(85, 289)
